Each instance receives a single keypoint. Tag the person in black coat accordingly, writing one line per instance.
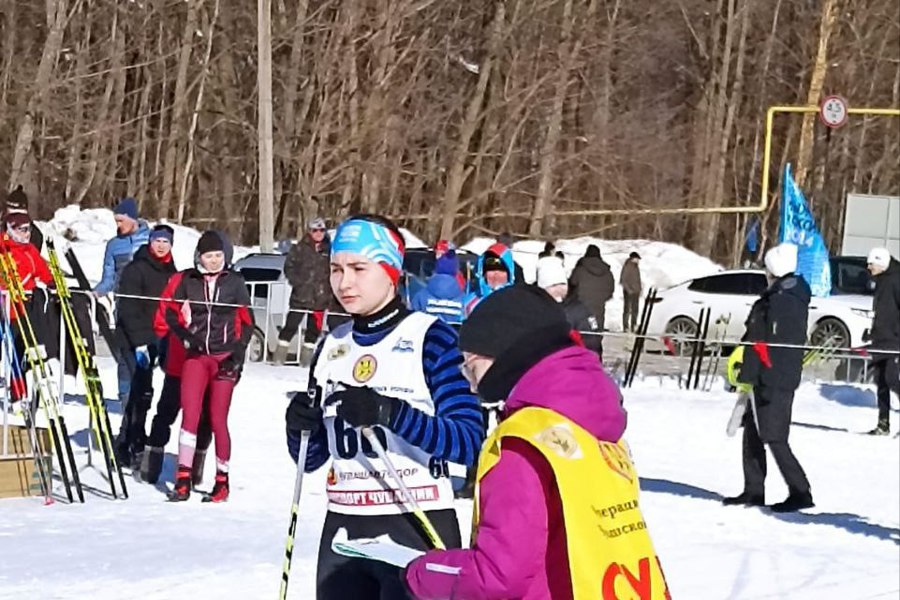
(778, 317)
(551, 277)
(592, 282)
(885, 333)
(307, 268)
(142, 282)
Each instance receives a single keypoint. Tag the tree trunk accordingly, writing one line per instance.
(830, 11)
(457, 171)
(170, 168)
(56, 20)
(567, 51)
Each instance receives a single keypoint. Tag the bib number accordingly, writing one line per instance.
(348, 440)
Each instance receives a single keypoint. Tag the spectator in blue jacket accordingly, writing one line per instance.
(443, 296)
(132, 233)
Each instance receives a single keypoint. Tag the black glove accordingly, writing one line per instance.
(229, 370)
(301, 415)
(364, 407)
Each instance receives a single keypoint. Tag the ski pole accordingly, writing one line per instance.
(423, 519)
(295, 507)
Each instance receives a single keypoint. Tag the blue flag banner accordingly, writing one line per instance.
(752, 238)
(799, 227)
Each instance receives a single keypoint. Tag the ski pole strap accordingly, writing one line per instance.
(417, 511)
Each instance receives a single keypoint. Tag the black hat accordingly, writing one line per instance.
(210, 241)
(492, 262)
(517, 326)
(634, 255)
(17, 200)
(592, 250)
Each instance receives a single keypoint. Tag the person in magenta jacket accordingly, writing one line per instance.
(521, 535)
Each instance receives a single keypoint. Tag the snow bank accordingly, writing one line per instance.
(88, 230)
(662, 264)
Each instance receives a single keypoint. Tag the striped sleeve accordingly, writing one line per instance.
(456, 431)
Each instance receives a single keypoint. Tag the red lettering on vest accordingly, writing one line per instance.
(640, 584)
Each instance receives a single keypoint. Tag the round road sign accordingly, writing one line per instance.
(833, 111)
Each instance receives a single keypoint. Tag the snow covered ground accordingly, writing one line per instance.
(848, 547)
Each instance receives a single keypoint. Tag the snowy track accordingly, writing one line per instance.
(848, 547)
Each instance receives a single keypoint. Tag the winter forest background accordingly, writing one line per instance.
(454, 117)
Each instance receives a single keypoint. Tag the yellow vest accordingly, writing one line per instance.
(610, 553)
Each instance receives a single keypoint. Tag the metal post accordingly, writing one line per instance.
(6, 373)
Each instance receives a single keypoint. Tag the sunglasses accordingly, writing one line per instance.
(22, 228)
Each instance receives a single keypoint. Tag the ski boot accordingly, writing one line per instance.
(151, 465)
(197, 468)
(219, 492)
(182, 489)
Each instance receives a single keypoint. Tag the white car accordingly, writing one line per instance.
(837, 321)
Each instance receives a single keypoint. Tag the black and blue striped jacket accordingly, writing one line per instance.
(455, 432)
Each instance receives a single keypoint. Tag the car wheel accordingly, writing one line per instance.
(681, 330)
(830, 333)
(256, 347)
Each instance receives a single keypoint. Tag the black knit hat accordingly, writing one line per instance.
(17, 200)
(210, 241)
(517, 326)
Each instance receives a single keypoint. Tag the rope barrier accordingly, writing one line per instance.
(612, 334)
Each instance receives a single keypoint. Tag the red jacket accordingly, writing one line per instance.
(29, 263)
(175, 352)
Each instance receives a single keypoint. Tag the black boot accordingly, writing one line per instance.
(795, 501)
(883, 428)
(745, 499)
(152, 464)
(182, 489)
(197, 468)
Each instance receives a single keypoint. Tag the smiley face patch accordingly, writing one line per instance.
(365, 368)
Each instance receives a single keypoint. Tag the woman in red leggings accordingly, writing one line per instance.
(209, 314)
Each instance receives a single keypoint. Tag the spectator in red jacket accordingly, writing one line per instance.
(30, 265)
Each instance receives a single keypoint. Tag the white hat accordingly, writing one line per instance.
(782, 259)
(880, 257)
(550, 272)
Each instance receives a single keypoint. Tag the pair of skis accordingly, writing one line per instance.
(18, 391)
(99, 416)
(46, 395)
(641, 335)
